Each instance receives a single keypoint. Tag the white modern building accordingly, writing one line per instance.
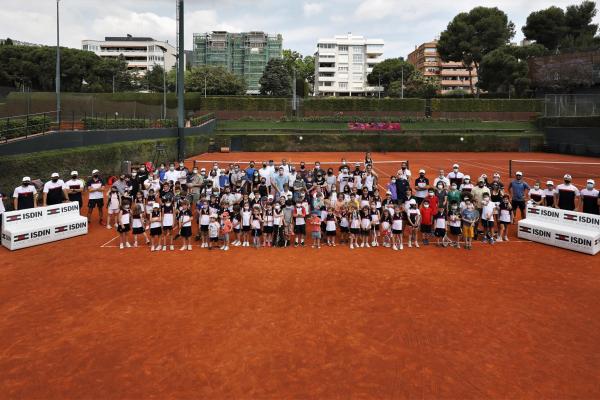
(141, 53)
(343, 63)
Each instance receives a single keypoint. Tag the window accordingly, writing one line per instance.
(357, 67)
(326, 45)
(343, 85)
(430, 50)
(357, 76)
(343, 48)
(343, 68)
(430, 59)
(321, 83)
(357, 49)
(357, 57)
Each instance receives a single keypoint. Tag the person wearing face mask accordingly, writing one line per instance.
(142, 174)
(54, 191)
(470, 216)
(114, 207)
(477, 193)
(568, 195)
(536, 194)
(171, 175)
(442, 195)
(265, 173)
(404, 172)
(195, 185)
(441, 178)
(250, 171)
(343, 178)
(590, 198)
(343, 165)
(456, 176)
(402, 186)
(318, 170)
(124, 224)
(453, 194)
(496, 180)
(487, 219)
(74, 189)
(392, 189)
(95, 187)
(505, 218)
(278, 181)
(120, 184)
(466, 186)
(518, 189)
(421, 185)
(550, 195)
(427, 211)
(454, 223)
(330, 181)
(25, 196)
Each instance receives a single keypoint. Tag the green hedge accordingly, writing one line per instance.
(569, 122)
(362, 104)
(197, 121)
(486, 105)
(126, 123)
(106, 158)
(11, 128)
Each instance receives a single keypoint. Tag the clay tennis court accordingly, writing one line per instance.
(82, 319)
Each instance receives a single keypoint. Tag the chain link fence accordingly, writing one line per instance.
(572, 105)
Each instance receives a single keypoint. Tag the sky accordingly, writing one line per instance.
(402, 24)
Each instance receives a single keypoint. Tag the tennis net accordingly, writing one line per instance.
(386, 167)
(555, 169)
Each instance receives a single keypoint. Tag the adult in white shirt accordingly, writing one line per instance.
(172, 175)
(74, 189)
(54, 191)
(25, 196)
(404, 172)
(271, 167)
(95, 188)
(456, 176)
(442, 178)
(265, 172)
(343, 178)
(153, 182)
(286, 167)
(292, 176)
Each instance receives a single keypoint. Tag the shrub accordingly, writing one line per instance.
(570, 122)
(362, 104)
(486, 105)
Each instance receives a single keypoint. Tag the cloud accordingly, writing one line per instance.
(311, 9)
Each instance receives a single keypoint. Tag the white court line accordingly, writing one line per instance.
(105, 244)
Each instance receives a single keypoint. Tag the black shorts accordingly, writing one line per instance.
(246, 228)
(124, 228)
(487, 224)
(365, 232)
(203, 228)
(440, 232)
(375, 227)
(344, 229)
(504, 223)
(268, 229)
(455, 230)
(426, 228)
(354, 231)
(520, 204)
(330, 233)
(76, 198)
(156, 231)
(419, 200)
(397, 231)
(214, 239)
(256, 233)
(186, 231)
(236, 230)
(168, 228)
(300, 229)
(138, 231)
(95, 203)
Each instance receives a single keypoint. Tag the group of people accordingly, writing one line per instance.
(281, 206)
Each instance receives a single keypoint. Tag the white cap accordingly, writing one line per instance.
(496, 175)
(95, 171)
(215, 216)
(74, 173)
(519, 173)
(357, 164)
(270, 197)
(550, 183)
(54, 175)
(388, 192)
(481, 178)
(412, 201)
(455, 166)
(155, 205)
(26, 179)
(203, 169)
(567, 176)
(421, 171)
(591, 181)
(467, 177)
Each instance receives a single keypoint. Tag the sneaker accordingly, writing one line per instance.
(127, 244)
(394, 247)
(226, 248)
(318, 246)
(172, 248)
(333, 244)
(121, 246)
(351, 246)
(362, 244)
(498, 239)
(492, 241)
(417, 245)
(183, 248)
(409, 244)
(108, 227)
(151, 248)
(401, 247)
(296, 244)
(189, 247)
(485, 240)
(367, 245)
(374, 243)
(505, 239)
(302, 243)
(164, 248)
(135, 244)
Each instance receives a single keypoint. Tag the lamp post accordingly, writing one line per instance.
(57, 80)
(379, 85)
(164, 66)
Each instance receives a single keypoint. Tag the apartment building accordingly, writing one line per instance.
(452, 75)
(245, 54)
(141, 53)
(342, 64)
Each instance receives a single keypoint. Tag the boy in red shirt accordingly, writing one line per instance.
(433, 199)
(315, 229)
(427, 213)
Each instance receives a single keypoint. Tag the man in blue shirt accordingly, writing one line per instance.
(278, 181)
(250, 171)
(518, 189)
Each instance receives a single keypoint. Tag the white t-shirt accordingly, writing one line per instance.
(73, 184)
(213, 229)
(53, 185)
(488, 211)
(172, 175)
(265, 173)
(2, 209)
(441, 179)
(95, 185)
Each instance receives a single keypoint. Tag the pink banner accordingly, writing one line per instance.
(374, 126)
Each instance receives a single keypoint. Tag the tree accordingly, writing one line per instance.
(8, 42)
(218, 80)
(546, 27)
(276, 79)
(305, 70)
(389, 71)
(470, 36)
(578, 20)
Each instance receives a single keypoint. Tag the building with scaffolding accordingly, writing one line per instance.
(245, 54)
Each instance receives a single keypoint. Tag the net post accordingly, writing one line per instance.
(510, 169)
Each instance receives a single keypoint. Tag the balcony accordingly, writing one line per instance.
(449, 72)
(326, 69)
(326, 78)
(450, 82)
(374, 49)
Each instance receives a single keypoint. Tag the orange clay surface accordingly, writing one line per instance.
(514, 320)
